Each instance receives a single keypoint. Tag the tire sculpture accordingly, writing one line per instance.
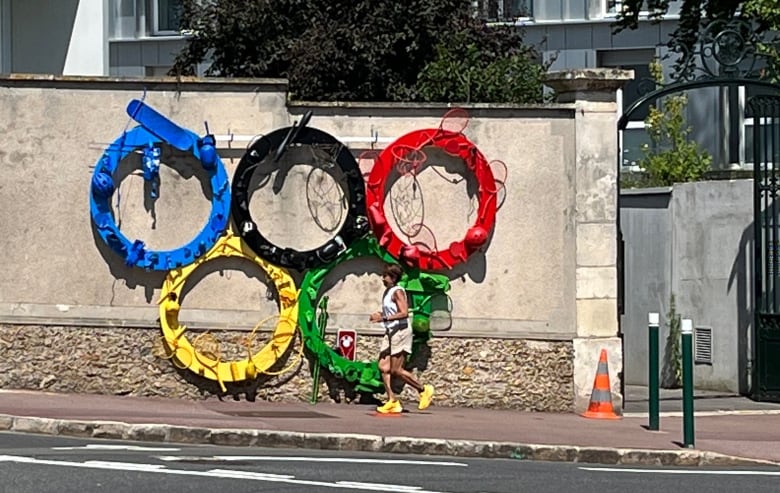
(211, 366)
(265, 152)
(156, 129)
(394, 157)
(365, 375)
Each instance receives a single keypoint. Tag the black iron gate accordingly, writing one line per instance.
(728, 56)
(765, 111)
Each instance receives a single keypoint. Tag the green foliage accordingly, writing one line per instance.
(671, 377)
(695, 14)
(364, 50)
(672, 158)
(767, 15)
(461, 71)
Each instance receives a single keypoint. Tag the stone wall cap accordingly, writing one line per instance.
(417, 105)
(594, 74)
(592, 80)
(93, 80)
(646, 191)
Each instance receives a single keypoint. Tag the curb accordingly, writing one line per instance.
(372, 443)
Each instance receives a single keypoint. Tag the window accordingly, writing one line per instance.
(769, 153)
(156, 71)
(122, 19)
(166, 16)
(611, 8)
(518, 9)
(504, 10)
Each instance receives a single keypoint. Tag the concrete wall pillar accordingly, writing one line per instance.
(593, 92)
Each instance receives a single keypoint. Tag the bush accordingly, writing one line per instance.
(671, 158)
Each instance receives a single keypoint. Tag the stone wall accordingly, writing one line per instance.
(486, 373)
(531, 311)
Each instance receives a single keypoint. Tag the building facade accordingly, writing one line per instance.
(141, 38)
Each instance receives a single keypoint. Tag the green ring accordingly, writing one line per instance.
(365, 375)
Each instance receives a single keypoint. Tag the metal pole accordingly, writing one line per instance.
(687, 376)
(653, 375)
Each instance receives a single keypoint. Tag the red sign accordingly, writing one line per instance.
(347, 340)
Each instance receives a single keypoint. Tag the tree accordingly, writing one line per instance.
(364, 50)
(672, 158)
(696, 14)
(461, 70)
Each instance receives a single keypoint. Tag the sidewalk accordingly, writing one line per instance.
(743, 438)
(705, 402)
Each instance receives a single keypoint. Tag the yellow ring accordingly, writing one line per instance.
(215, 369)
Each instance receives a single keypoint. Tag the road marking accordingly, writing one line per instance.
(213, 473)
(126, 466)
(734, 472)
(383, 487)
(228, 458)
(134, 448)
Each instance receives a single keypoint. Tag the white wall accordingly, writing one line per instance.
(88, 48)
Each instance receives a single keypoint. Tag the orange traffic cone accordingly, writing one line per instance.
(601, 399)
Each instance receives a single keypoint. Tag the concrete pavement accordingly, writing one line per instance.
(741, 437)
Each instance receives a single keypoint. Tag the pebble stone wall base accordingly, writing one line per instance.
(523, 375)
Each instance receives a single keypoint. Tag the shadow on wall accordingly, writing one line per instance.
(742, 275)
(133, 276)
(187, 167)
(231, 264)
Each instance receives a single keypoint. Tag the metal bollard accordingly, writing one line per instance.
(687, 377)
(653, 376)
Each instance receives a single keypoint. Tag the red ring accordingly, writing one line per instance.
(455, 144)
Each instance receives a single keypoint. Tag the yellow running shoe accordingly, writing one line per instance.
(390, 407)
(425, 397)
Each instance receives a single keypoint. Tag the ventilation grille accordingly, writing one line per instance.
(702, 345)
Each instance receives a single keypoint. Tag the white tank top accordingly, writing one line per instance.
(389, 308)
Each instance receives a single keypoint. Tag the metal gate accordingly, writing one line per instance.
(765, 111)
(727, 55)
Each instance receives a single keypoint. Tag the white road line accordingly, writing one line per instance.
(126, 466)
(271, 458)
(213, 473)
(134, 448)
(735, 472)
(385, 487)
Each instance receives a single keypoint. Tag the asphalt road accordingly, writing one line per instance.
(41, 464)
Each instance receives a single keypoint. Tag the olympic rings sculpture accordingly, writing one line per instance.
(365, 214)
(209, 365)
(455, 144)
(154, 130)
(365, 375)
(276, 143)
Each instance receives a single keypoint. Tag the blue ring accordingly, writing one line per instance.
(134, 252)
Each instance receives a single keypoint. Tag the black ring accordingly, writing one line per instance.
(354, 227)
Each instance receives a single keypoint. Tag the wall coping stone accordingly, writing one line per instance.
(591, 84)
(181, 84)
